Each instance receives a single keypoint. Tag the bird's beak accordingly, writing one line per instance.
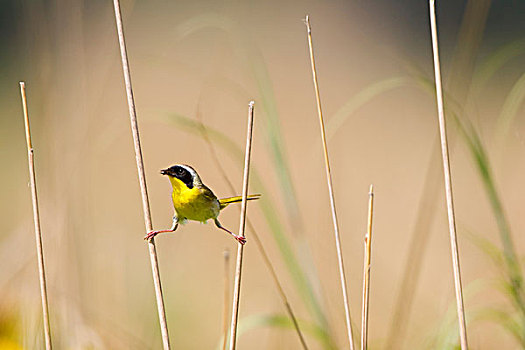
(164, 171)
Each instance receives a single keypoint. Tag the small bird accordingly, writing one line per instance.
(192, 200)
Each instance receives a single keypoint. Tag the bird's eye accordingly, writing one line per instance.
(180, 171)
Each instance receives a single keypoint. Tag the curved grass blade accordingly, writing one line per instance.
(510, 108)
(509, 321)
(492, 64)
(364, 96)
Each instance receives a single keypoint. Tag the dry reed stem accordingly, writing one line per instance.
(256, 237)
(226, 282)
(142, 178)
(366, 271)
(448, 181)
(242, 225)
(330, 190)
(36, 219)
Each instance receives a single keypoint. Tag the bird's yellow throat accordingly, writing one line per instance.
(188, 200)
(178, 186)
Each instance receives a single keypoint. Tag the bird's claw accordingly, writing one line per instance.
(241, 240)
(151, 235)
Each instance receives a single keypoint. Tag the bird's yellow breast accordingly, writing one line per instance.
(197, 203)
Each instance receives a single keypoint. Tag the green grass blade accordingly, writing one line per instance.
(509, 321)
(513, 269)
(360, 99)
(511, 106)
(493, 63)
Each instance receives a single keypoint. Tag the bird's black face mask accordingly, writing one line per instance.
(180, 173)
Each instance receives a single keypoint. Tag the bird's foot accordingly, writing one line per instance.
(240, 239)
(152, 234)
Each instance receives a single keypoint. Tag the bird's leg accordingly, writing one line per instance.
(174, 226)
(239, 239)
(152, 234)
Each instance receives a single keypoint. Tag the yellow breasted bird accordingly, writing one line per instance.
(192, 200)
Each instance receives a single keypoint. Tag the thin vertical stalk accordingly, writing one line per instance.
(258, 241)
(142, 178)
(226, 296)
(242, 225)
(330, 191)
(448, 181)
(36, 219)
(366, 271)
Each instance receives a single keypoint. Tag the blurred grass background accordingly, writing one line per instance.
(210, 58)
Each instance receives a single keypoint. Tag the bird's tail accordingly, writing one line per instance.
(225, 201)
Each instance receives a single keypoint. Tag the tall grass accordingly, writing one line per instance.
(335, 221)
(242, 227)
(142, 178)
(511, 263)
(226, 298)
(448, 180)
(505, 257)
(366, 271)
(36, 219)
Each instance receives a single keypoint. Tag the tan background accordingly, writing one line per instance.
(214, 57)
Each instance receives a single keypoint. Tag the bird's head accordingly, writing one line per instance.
(184, 173)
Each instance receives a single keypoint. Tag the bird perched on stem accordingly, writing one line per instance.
(192, 200)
